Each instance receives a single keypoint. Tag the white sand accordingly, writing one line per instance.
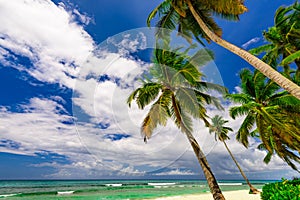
(229, 195)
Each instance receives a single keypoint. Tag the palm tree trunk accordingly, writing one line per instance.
(211, 180)
(253, 190)
(264, 68)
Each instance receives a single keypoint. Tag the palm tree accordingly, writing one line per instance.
(275, 113)
(174, 90)
(221, 132)
(194, 17)
(283, 39)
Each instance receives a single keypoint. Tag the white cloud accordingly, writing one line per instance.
(176, 172)
(47, 35)
(83, 18)
(126, 44)
(250, 42)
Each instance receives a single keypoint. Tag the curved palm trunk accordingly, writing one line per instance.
(264, 68)
(211, 180)
(253, 190)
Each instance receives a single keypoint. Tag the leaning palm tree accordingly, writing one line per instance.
(283, 40)
(221, 133)
(275, 113)
(194, 17)
(174, 90)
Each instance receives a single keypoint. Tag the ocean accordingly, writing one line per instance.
(110, 189)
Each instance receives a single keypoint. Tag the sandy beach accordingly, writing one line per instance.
(229, 195)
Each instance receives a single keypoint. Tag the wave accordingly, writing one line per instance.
(65, 192)
(161, 184)
(230, 183)
(114, 184)
(8, 195)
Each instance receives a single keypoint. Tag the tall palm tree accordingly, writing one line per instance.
(174, 90)
(194, 17)
(283, 39)
(275, 113)
(221, 133)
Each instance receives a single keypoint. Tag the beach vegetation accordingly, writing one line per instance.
(271, 115)
(284, 190)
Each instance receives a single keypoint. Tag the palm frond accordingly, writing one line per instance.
(181, 119)
(224, 7)
(188, 101)
(280, 15)
(243, 109)
(190, 73)
(291, 58)
(261, 49)
(244, 130)
(210, 23)
(145, 95)
(286, 101)
(178, 6)
(205, 86)
(188, 27)
(157, 115)
(167, 21)
(161, 8)
(239, 98)
(267, 158)
(187, 122)
(201, 57)
(269, 90)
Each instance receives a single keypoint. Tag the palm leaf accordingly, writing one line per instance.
(239, 98)
(280, 16)
(267, 158)
(188, 101)
(178, 6)
(261, 49)
(201, 57)
(161, 8)
(205, 86)
(244, 130)
(144, 95)
(291, 58)
(157, 115)
(239, 111)
(225, 7)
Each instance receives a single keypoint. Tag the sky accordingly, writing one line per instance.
(66, 69)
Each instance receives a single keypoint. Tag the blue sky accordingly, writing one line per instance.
(66, 69)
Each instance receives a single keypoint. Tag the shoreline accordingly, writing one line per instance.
(229, 195)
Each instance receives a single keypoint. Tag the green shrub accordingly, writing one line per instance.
(284, 190)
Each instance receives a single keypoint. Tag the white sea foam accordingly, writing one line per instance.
(161, 184)
(114, 184)
(230, 183)
(8, 195)
(65, 192)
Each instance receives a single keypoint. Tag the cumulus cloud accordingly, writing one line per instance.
(47, 35)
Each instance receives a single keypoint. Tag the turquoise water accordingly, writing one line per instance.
(110, 189)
